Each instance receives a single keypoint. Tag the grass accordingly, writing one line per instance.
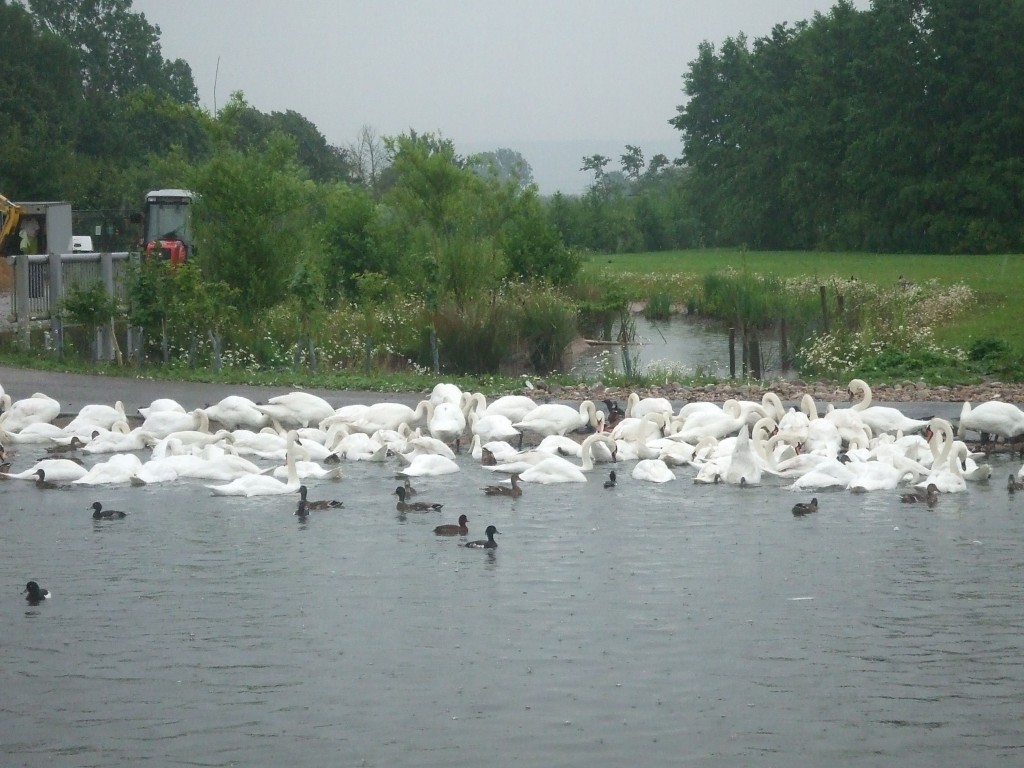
(997, 280)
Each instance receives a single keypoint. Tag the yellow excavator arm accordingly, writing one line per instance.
(10, 215)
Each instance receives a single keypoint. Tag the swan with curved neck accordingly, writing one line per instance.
(882, 419)
(555, 469)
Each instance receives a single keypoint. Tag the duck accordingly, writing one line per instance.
(452, 529)
(319, 503)
(35, 594)
(99, 513)
(490, 543)
(414, 506)
(1013, 484)
(410, 490)
(505, 490)
(302, 510)
(929, 497)
(610, 482)
(42, 482)
(805, 507)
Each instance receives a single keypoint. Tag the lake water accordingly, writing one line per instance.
(679, 344)
(669, 624)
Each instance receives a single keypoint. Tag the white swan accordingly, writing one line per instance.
(263, 485)
(443, 392)
(717, 423)
(828, 473)
(162, 423)
(652, 471)
(557, 419)
(555, 469)
(883, 419)
(297, 409)
(118, 442)
(96, 415)
(993, 417)
(494, 426)
(37, 433)
(637, 408)
(236, 412)
(56, 470)
(744, 467)
(30, 410)
(447, 423)
(119, 468)
(428, 465)
(392, 416)
(161, 404)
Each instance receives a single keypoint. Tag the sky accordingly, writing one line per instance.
(555, 80)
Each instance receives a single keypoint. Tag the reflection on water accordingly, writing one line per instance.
(680, 345)
(695, 625)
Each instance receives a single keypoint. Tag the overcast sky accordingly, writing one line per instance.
(552, 79)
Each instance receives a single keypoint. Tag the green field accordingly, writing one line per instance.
(998, 281)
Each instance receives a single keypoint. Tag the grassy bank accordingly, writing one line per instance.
(990, 321)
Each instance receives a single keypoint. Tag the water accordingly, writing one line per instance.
(692, 625)
(678, 344)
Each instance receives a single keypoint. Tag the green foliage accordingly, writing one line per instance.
(658, 307)
(252, 221)
(89, 304)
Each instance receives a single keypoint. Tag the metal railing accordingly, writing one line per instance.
(41, 280)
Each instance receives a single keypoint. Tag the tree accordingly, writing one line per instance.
(632, 162)
(253, 220)
(504, 165)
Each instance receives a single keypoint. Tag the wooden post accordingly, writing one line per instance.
(783, 345)
(732, 353)
(754, 354)
(824, 308)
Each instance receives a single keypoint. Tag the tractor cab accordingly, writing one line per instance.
(168, 223)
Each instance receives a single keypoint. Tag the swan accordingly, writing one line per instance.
(297, 409)
(162, 423)
(119, 468)
(717, 423)
(647, 427)
(849, 424)
(428, 465)
(30, 410)
(557, 419)
(993, 418)
(309, 470)
(211, 464)
(943, 445)
(57, 470)
(881, 475)
(653, 471)
(235, 412)
(827, 473)
(637, 408)
(443, 392)
(263, 485)
(744, 467)
(512, 407)
(555, 469)
(770, 407)
(36, 433)
(494, 426)
(96, 415)
(948, 477)
(882, 419)
(392, 416)
(447, 423)
(117, 442)
(266, 444)
(161, 404)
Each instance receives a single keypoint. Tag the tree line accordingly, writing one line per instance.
(896, 129)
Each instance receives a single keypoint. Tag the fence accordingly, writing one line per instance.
(41, 280)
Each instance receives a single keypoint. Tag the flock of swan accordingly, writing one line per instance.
(242, 448)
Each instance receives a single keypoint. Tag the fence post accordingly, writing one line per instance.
(824, 308)
(732, 353)
(21, 300)
(784, 345)
(56, 295)
(104, 342)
